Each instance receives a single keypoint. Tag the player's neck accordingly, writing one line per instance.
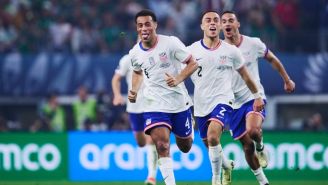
(211, 42)
(235, 40)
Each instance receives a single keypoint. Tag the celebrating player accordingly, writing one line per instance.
(135, 115)
(213, 94)
(157, 59)
(246, 123)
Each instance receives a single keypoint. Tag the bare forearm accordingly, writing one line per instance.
(277, 65)
(136, 80)
(248, 80)
(251, 85)
(116, 85)
(187, 71)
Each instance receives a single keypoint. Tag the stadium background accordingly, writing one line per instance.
(55, 46)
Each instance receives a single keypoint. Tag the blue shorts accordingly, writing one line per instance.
(221, 114)
(238, 120)
(179, 123)
(137, 121)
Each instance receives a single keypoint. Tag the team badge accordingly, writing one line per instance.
(148, 121)
(222, 59)
(163, 57)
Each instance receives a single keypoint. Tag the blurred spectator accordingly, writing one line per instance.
(259, 24)
(84, 110)
(183, 13)
(60, 33)
(8, 36)
(52, 116)
(169, 27)
(314, 123)
(160, 7)
(84, 38)
(286, 19)
(110, 32)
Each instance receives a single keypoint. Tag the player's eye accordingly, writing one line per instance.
(148, 24)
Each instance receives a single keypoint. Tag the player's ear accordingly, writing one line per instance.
(202, 26)
(155, 25)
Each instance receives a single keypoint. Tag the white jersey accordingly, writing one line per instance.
(165, 57)
(125, 69)
(213, 78)
(252, 49)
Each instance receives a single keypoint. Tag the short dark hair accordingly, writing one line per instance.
(207, 11)
(231, 12)
(145, 12)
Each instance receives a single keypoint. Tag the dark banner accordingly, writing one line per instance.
(35, 75)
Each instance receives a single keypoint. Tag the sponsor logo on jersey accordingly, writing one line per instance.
(165, 65)
(151, 61)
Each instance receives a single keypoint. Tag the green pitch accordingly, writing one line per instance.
(160, 183)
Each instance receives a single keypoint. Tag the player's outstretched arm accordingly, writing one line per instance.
(116, 87)
(258, 101)
(190, 68)
(289, 84)
(136, 83)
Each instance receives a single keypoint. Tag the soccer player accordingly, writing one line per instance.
(135, 115)
(157, 59)
(246, 124)
(213, 94)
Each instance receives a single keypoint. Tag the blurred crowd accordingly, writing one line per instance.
(107, 26)
(84, 112)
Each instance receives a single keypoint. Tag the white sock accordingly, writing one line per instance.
(165, 165)
(259, 145)
(215, 154)
(225, 161)
(152, 161)
(193, 129)
(192, 133)
(260, 176)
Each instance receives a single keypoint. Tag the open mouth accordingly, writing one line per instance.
(212, 29)
(228, 30)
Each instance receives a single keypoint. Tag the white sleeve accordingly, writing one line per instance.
(262, 49)
(124, 66)
(178, 50)
(239, 60)
(134, 62)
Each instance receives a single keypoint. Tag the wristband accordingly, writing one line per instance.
(257, 95)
